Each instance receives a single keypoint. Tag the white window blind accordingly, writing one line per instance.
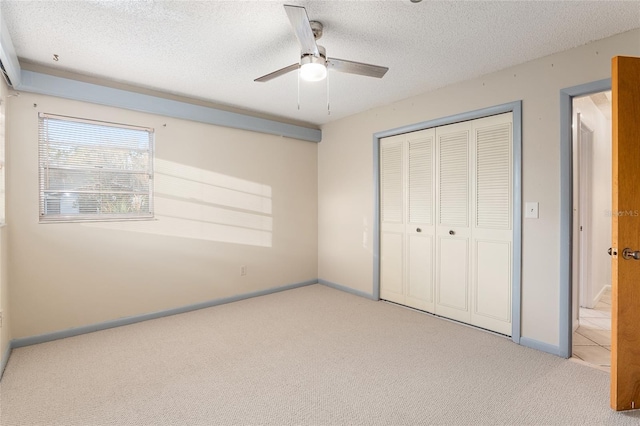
(93, 170)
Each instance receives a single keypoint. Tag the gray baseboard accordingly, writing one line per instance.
(5, 358)
(76, 331)
(541, 346)
(347, 289)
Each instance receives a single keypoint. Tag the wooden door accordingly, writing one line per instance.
(625, 288)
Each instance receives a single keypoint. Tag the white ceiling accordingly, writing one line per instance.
(213, 50)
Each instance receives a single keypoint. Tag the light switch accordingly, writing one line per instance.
(531, 210)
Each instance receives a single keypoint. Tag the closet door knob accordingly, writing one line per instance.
(451, 232)
(418, 230)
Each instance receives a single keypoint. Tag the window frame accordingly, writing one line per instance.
(44, 170)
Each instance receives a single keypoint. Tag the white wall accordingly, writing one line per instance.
(345, 170)
(224, 198)
(599, 264)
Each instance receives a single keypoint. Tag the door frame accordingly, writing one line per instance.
(513, 107)
(565, 332)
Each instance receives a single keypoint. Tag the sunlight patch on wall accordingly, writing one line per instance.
(190, 183)
(200, 204)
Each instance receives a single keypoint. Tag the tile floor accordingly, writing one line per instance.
(592, 339)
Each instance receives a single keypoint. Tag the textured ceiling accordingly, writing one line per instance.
(213, 50)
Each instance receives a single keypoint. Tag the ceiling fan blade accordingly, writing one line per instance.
(278, 73)
(301, 26)
(351, 67)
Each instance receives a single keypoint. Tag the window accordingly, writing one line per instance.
(93, 170)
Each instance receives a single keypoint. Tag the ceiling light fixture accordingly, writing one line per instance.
(313, 72)
(314, 68)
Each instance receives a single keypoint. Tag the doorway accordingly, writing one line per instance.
(591, 264)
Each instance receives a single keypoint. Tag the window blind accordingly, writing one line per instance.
(93, 170)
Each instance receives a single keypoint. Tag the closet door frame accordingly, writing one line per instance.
(516, 109)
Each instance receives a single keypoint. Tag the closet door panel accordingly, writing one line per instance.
(392, 212)
(420, 276)
(452, 230)
(392, 267)
(420, 182)
(453, 282)
(492, 286)
(420, 229)
(391, 181)
(492, 230)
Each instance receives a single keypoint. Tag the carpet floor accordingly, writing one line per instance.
(308, 356)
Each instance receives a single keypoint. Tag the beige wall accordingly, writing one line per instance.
(224, 198)
(5, 331)
(345, 170)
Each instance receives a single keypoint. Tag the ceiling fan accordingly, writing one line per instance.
(313, 58)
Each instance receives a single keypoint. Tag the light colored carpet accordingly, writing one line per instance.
(309, 356)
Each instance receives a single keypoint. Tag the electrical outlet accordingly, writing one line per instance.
(243, 270)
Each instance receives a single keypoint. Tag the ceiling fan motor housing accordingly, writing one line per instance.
(316, 28)
(309, 58)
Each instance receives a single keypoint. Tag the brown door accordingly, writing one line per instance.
(625, 280)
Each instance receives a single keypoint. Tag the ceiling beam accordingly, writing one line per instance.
(46, 84)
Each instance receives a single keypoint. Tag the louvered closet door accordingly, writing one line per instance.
(392, 213)
(453, 221)
(446, 238)
(420, 220)
(492, 230)
(407, 236)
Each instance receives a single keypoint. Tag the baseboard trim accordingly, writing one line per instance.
(5, 358)
(346, 289)
(540, 346)
(76, 331)
(599, 295)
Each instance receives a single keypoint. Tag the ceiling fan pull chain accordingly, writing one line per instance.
(328, 103)
(298, 89)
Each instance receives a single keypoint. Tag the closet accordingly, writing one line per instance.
(446, 232)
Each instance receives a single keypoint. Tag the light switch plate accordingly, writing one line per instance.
(531, 210)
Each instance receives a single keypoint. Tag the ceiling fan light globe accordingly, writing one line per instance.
(313, 71)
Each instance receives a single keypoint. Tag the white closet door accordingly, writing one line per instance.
(492, 229)
(453, 227)
(392, 213)
(446, 232)
(420, 223)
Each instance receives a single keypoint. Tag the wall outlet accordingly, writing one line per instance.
(243, 270)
